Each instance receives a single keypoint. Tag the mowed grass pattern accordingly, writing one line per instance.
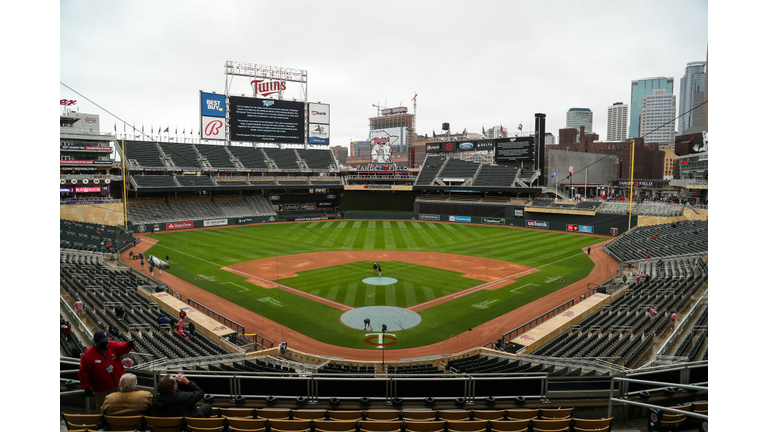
(198, 256)
(415, 284)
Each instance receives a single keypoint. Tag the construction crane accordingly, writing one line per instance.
(378, 109)
(414, 117)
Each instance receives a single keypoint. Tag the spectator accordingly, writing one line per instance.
(100, 366)
(120, 312)
(182, 314)
(177, 396)
(283, 348)
(190, 329)
(128, 399)
(180, 329)
(79, 307)
(162, 320)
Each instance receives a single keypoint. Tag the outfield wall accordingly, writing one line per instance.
(601, 224)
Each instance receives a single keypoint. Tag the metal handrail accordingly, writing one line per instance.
(645, 405)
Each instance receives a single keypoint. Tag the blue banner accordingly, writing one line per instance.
(213, 105)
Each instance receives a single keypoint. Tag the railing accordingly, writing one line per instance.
(622, 396)
(507, 337)
(217, 316)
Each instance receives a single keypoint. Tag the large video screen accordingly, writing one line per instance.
(266, 120)
(514, 150)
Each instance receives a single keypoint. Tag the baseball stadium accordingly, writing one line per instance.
(450, 286)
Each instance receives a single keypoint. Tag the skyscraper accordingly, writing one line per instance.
(617, 122)
(577, 117)
(691, 84)
(657, 115)
(640, 89)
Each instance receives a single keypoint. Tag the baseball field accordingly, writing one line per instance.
(307, 276)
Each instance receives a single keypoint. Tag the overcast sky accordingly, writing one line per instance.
(473, 64)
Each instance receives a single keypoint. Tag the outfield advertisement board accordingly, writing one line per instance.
(493, 221)
(580, 228)
(431, 217)
(452, 218)
(266, 120)
(214, 222)
(537, 224)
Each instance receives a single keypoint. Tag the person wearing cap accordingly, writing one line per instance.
(101, 367)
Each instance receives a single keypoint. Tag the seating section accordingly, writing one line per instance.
(217, 156)
(154, 181)
(152, 212)
(250, 157)
(458, 169)
(350, 420)
(145, 153)
(656, 242)
(623, 328)
(183, 155)
(496, 175)
(284, 159)
(102, 287)
(195, 180)
(317, 159)
(90, 237)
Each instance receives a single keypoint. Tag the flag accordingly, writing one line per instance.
(483, 130)
(570, 169)
(184, 132)
(166, 129)
(151, 129)
(465, 131)
(520, 127)
(554, 174)
(177, 130)
(433, 133)
(115, 127)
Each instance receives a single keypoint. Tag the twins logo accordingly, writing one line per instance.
(378, 339)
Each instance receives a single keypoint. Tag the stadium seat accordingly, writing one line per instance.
(467, 425)
(277, 414)
(163, 424)
(336, 425)
(454, 414)
(197, 423)
(700, 407)
(382, 415)
(509, 425)
(124, 422)
(556, 425)
(522, 414)
(345, 414)
(285, 425)
(82, 421)
(488, 414)
(593, 424)
(247, 424)
(602, 429)
(424, 426)
(555, 413)
(421, 415)
(310, 414)
(380, 425)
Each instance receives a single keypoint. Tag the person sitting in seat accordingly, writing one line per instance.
(128, 399)
(177, 396)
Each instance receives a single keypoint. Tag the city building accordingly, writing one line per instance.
(496, 132)
(640, 89)
(577, 117)
(657, 115)
(618, 114)
(341, 153)
(692, 95)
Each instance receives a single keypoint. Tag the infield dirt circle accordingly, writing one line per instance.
(263, 272)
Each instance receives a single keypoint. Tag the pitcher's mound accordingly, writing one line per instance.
(379, 281)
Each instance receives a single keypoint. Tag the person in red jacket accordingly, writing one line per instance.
(101, 367)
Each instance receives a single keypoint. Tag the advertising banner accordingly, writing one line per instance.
(179, 225)
(433, 148)
(537, 224)
(214, 222)
(319, 113)
(212, 128)
(213, 105)
(319, 134)
(432, 217)
(266, 120)
(452, 218)
(493, 221)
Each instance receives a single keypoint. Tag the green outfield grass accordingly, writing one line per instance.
(198, 256)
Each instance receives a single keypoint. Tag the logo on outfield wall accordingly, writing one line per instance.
(537, 224)
(495, 221)
(519, 213)
(141, 228)
(423, 216)
(614, 231)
